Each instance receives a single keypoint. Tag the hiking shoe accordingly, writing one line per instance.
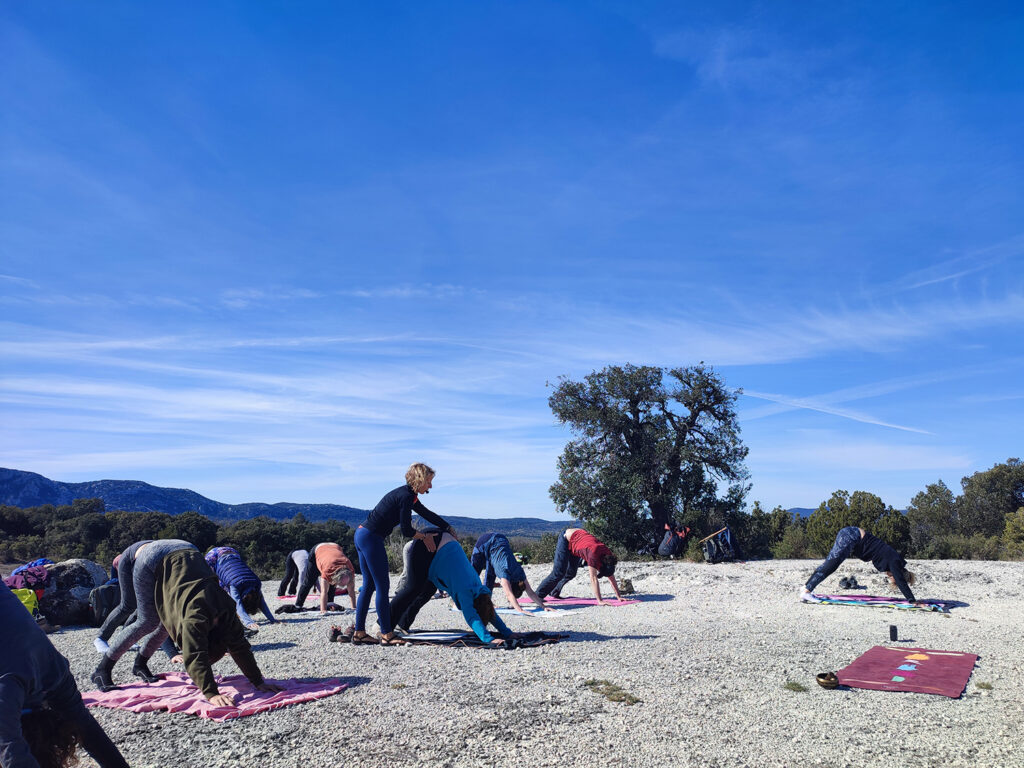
(844, 583)
(808, 597)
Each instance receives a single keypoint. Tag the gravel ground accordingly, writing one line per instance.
(708, 654)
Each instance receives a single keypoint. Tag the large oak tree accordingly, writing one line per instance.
(652, 445)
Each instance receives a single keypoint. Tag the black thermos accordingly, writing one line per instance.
(892, 632)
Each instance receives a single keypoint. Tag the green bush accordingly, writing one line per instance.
(794, 545)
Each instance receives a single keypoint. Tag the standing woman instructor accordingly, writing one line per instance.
(394, 509)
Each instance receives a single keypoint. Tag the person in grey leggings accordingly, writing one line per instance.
(148, 556)
(125, 610)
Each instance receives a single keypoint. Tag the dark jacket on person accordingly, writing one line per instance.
(200, 619)
(34, 673)
(884, 558)
(396, 509)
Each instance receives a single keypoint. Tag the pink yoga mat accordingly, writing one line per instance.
(916, 670)
(176, 693)
(555, 601)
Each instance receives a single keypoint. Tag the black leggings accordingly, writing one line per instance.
(291, 578)
(417, 588)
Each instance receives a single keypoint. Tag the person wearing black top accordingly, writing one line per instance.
(42, 717)
(856, 542)
(395, 508)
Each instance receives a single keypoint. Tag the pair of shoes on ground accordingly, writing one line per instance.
(849, 582)
(365, 639)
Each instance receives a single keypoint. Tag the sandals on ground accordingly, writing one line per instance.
(361, 638)
(390, 639)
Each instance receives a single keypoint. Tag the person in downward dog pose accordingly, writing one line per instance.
(856, 542)
(395, 509)
(244, 586)
(293, 568)
(124, 564)
(141, 583)
(574, 548)
(445, 566)
(492, 554)
(328, 565)
(42, 718)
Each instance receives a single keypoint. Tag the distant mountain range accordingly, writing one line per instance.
(27, 489)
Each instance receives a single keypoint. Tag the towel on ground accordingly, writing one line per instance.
(460, 639)
(177, 693)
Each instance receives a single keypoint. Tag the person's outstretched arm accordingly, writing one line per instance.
(536, 598)
(325, 590)
(507, 586)
(352, 590)
(615, 586)
(243, 615)
(594, 585)
(67, 700)
(266, 609)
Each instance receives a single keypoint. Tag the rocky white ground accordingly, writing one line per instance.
(708, 653)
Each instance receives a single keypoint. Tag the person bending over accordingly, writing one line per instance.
(293, 568)
(448, 568)
(328, 565)
(42, 718)
(241, 583)
(492, 554)
(146, 624)
(122, 614)
(395, 509)
(856, 542)
(575, 547)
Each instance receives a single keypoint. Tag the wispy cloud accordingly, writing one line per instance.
(974, 261)
(811, 404)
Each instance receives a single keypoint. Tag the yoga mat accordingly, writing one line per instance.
(554, 602)
(533, 610)
(915, 670)
(176, 693)
(877, 601)
(457, 639)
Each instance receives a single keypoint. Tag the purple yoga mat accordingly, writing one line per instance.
(916, 670)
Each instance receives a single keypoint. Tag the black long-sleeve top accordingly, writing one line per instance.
(396, 508)
(884, 558)
(33, 673)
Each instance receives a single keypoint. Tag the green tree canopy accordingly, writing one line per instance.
(651, 444)
(989, 496)
(931, 515)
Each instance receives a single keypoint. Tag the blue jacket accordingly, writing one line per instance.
(450, 570)
(493, 552)
(237, 579)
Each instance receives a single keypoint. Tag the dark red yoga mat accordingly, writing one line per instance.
(916, 670)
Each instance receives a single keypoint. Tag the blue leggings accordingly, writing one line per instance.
(846, 540)
(373, 560)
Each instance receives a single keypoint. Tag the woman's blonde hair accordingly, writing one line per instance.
(418, 474)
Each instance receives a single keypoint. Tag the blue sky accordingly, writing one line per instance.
(277, 251)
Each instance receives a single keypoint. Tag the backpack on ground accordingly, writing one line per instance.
(103, 600)
(720, 547)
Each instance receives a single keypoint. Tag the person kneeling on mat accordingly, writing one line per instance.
(856, 542)
(42, 718)
(439, 562)
(492, 554)
(574, 547)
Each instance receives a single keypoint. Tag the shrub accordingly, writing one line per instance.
(793, 546)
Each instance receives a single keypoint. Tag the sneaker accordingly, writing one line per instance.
(808, 597)
(100, 645)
